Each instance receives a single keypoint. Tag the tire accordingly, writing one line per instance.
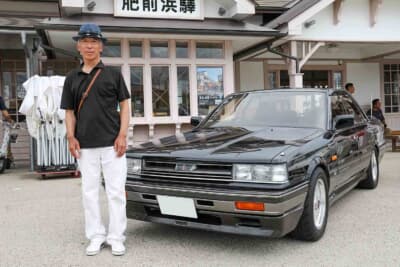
(372, 179)
(3, 164)
(312, 224)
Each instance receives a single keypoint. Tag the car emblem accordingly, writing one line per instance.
(185, 167)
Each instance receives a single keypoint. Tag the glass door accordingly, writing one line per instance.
(13, 75)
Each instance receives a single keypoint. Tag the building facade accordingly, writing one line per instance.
(335, 42)
(176, 56)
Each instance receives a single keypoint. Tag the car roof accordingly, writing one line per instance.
(329, 91)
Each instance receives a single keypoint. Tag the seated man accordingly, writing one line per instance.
(377, 113)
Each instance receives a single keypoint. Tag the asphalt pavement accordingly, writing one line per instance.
(41, 224)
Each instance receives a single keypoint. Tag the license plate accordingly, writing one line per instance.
(177, 206)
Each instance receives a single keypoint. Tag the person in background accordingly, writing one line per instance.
(376, 111)
(7, 117)
(4, 111)
(350, 88)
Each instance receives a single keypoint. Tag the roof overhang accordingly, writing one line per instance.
(295, 16)
(57, 32)
(135, 25)
(18, 24)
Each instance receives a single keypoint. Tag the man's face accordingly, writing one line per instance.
(90, 48)
(352, 89)
(378, 104)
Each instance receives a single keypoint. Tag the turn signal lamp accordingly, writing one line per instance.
(253, 206)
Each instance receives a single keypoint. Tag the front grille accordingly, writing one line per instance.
(169, 169)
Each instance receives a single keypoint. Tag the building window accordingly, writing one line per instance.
(159, 49)
(311, 79)
(182, 50)
(13, 75)
(272, 80)
(209, 50)
(391, 87)
(116, 68)
(137, 97)
(337, 80)
(135, 49)
(112, 49)
(183, 91)
(210, 89)
(160, 90)
(58, 67)
(316, 79)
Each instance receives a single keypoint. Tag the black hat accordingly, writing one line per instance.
(89, 30)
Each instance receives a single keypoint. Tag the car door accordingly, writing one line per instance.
(345, 138)
(362, 136)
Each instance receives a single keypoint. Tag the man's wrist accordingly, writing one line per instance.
(123, 133)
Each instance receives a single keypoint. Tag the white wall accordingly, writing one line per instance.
(251, 76)
(366, 79)
(354, 23)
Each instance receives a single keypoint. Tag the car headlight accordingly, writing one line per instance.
(274, 173)
(134, 166)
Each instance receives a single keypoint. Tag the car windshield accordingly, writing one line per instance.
(278, 109)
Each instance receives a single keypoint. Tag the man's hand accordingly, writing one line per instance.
(120, 145)
(74, 147)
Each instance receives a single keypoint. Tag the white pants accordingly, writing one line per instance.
(92, 162)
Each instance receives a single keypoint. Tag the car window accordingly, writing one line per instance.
(274, 109)
(343, 105)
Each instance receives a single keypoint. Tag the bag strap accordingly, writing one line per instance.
(86, 93)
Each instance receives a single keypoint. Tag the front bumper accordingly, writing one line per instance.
(216, 208)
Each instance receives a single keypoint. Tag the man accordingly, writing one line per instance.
(7, 117)
(350, 88)
(377, 111)
(96, 134)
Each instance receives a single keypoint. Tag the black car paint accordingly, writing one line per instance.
(302, 149)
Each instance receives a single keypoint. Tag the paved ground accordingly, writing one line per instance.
(41, 224)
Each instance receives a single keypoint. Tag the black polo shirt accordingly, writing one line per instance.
(98, 123)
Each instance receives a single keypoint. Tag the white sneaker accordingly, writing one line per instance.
(117, 248)
(95, 246)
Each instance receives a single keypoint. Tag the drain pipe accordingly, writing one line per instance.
(260, 48)
(270, 49)
(27, 54)
(28, 75)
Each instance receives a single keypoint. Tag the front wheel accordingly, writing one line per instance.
(372, 179)
(312, 224)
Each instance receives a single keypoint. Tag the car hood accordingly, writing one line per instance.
(228, 143)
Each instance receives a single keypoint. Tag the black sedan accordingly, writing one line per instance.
(262, 163)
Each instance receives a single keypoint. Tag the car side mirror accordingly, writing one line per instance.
(194, 121)
(343, 121)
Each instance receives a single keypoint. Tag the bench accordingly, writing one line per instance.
(395, 136)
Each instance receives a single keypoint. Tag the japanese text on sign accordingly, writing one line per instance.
(177, 9)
